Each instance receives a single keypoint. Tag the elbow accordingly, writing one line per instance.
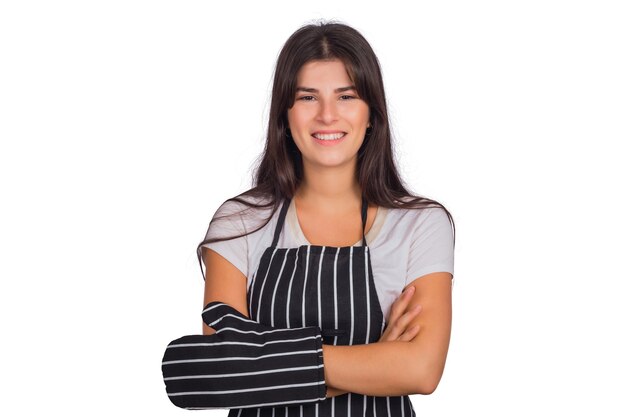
(425, 387)
(428, 387)
(425, 380)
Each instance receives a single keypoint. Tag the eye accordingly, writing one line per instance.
(310, 98)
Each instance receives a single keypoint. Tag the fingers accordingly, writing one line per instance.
(397, 329)
(399, 306)
(410, 334)
(403, 322)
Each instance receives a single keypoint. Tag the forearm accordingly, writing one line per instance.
(377, 369)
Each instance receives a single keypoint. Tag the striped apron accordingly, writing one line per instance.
(330, 287)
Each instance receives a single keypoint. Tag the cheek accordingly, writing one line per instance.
(359, 115)
(296, 118)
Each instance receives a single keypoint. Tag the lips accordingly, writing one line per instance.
(328, 135)
(330, 139)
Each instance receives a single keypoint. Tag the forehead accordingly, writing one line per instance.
(323, 72)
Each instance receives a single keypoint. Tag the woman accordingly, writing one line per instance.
(284, 254)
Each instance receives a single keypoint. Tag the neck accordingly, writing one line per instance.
(331, 190)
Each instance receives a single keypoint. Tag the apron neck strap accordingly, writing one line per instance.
(281, 221)
(363, 217)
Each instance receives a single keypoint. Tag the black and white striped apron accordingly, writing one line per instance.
(330, 287)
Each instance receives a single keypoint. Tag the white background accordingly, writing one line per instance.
(125, 124)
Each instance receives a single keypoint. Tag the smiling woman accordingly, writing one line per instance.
(327, 284)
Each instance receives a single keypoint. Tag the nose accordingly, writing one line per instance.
(327, 111)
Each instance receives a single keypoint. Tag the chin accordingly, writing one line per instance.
(331, 162)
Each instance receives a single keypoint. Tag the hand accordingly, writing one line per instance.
(400, 318)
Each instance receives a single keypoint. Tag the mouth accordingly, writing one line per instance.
(329, 140)
(329, 137)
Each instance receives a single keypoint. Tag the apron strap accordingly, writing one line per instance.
(281, 221)
(363, 218)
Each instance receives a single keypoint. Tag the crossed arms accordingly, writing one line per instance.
(381, 369)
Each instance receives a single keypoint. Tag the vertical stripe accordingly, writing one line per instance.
(364, 405)
(280, 273)
(374, 406)
(351, 300)
(293, 273)
(335, 294)
(367, 292)
(402, 405)
(349, 404)
(319, 289)
(306, 273)
(388, 407)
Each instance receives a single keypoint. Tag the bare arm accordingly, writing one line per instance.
(396, 367)
(224, 282)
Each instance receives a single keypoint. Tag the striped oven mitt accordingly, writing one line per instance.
(244, 364)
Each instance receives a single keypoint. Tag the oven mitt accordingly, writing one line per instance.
(244, 364)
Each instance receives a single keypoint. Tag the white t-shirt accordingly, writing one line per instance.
(404, 244)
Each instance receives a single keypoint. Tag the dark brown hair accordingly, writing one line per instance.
(279, 172)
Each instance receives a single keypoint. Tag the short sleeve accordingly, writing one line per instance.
(226, 222)
(432, 244)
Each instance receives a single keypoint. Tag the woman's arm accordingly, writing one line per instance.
(224, 282)
(396, 367)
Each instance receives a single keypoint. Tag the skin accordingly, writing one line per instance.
(410, 356)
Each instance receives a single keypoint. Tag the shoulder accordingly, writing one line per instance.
(243, 213)
(418, 225)
(244, 205)
(428, 215)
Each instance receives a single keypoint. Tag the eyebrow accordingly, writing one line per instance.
(315, 90)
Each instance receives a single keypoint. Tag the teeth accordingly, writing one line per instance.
(332, 136)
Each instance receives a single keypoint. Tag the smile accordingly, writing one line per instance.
(329, 139)
(329, 136)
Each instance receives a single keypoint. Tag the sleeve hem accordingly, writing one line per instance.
(441, 267)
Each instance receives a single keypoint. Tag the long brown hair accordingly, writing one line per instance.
(280, 172)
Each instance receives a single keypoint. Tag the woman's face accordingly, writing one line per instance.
(327, 106)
